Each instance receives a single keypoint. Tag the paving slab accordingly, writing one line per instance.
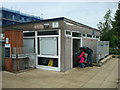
(105, 76)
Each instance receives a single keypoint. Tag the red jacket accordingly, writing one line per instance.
(82, 57)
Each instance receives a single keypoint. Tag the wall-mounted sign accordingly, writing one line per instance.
(39, 26)
(55, 25)
(46, 26)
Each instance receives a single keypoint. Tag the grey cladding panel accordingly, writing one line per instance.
(68, 54)
(91, 43)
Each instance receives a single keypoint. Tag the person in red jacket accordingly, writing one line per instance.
(81, 58)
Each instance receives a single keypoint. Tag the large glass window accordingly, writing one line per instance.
(29, 45)
(28, 42)
(48, 46)
(48, 61)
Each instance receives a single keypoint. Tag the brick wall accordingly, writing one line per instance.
(15, 39)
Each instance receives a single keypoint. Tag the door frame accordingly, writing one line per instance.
(79, 38)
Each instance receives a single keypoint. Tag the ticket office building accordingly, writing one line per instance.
(56, 41)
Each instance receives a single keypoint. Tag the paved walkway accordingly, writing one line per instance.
(105, 76)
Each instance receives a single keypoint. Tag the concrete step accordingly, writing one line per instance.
(103, 61)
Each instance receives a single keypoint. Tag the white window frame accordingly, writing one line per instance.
(54, 36)
(46, 56)
(80, 38)
(67, 35)
(30, 37)
(76, 32)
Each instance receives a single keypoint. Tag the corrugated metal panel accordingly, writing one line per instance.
(102, 49)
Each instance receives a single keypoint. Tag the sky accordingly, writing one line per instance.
(88, 13)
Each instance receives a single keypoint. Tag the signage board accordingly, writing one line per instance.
(55, 25)
(39, 26)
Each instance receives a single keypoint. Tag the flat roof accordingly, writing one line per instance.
(53, 19)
